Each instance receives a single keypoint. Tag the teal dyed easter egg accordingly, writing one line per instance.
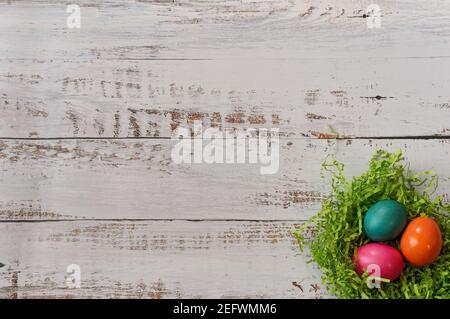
(385, 220)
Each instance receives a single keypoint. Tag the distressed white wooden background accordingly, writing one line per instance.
(87, 114)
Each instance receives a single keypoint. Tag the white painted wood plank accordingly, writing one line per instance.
(140, 69)
(224, 29)
(363, 97)
(136, 179)
(154, 260)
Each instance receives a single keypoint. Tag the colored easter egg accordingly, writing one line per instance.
(384, 258)
(421, 242)
(385, 220)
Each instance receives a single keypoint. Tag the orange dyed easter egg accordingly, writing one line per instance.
(421, 242)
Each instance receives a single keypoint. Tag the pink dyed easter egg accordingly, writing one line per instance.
(382, 257)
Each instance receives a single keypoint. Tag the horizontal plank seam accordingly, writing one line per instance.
(237, 58)
(193, 220)
(407, 137)
(273, 59)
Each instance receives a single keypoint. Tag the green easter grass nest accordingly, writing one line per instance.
(335, 233)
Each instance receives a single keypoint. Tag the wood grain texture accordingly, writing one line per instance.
(87, 114)
(140, 69)
(360, 98)
(224, 29)
(134, 179)
(154, 260)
